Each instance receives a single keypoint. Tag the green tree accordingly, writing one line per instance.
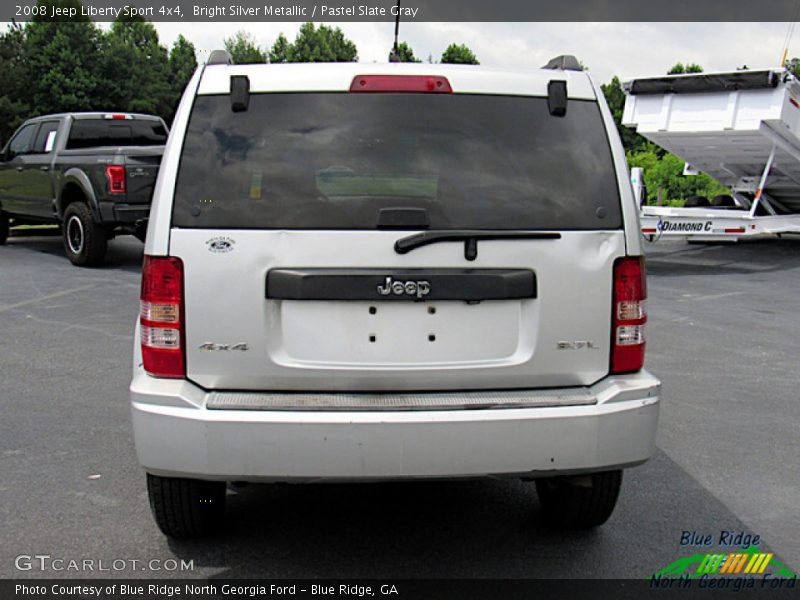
(279, 53)
(459, 54)
(50, 66)
(405, 53)
(117, 62)
(243, 49)
(14, 107)
(60, 61)
(615, 97)
(680, 68)
(136, 74)
(321, 44)
(665, 173)
(182, 64)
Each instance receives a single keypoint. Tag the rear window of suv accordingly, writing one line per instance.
(91, 133)
(334, 160)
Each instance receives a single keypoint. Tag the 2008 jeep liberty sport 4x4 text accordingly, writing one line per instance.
(363, 272)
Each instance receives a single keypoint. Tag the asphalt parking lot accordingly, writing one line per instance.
(724, 336)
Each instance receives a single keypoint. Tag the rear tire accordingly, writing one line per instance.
(85, 242)
(696, 202)
(723, 201)
(186, 508)
(580, 502)
(3, 228)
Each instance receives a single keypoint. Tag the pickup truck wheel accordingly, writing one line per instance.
(3, 228)
(84, 240)
(186, 508)
(579, 502)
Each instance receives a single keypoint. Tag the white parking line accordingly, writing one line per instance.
(699, 298)
(47, 297)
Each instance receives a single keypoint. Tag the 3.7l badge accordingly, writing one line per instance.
(577, 345)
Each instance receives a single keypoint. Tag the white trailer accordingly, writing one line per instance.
(741, 128)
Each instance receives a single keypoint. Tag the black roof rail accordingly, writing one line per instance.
(564, 62)
(219, 57)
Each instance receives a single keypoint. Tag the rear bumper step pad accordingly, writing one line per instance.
(401, 401)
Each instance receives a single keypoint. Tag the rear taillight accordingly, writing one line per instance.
(629, 315)
(161, 317)
(116, 179)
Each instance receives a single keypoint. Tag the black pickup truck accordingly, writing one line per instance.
(92, 173)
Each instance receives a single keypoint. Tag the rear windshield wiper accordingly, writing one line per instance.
(470, 238)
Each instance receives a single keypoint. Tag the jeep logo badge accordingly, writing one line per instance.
(418, 289)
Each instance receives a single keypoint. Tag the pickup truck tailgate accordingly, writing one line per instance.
(141, 169)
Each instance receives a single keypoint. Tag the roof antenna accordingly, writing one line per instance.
(394, 55)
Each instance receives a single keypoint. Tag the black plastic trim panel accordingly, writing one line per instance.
(471, 285)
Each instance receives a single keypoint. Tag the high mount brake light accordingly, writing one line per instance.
(161, 317)
(629, 315)
(401, 83)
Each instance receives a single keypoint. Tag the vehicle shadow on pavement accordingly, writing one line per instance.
(46, 241)
(461, 529)
(750, 257)
(124, 253)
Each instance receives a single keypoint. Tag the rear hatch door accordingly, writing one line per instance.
(296, 221)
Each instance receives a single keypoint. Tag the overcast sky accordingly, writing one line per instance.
(624, 49)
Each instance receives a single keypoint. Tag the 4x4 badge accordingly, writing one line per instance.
(212, 347)
(220, 244)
